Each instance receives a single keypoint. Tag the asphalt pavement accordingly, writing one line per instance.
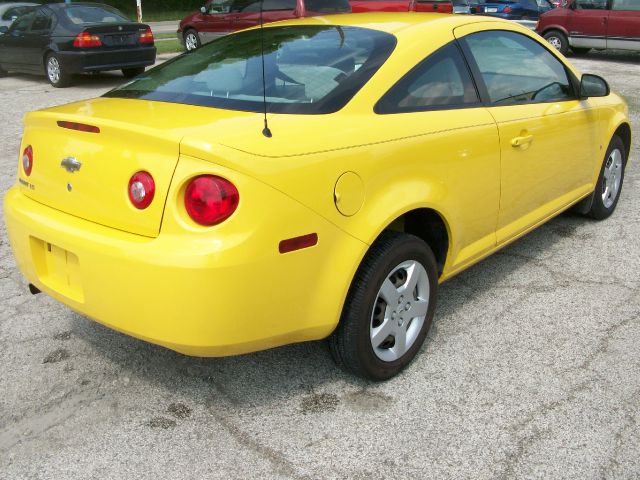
(532, 369)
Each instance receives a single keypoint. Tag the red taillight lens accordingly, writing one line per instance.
(146, 36)
(210, 200)
(507, 10)
(142, 188)
(85, 39)
(27, 160)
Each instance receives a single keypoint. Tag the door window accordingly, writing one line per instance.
(516, 69)
(42, 23)
(591, 4)
(439, 82)
(626, 5)
(22, 24)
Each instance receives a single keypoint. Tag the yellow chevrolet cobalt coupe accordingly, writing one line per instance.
(315, 180)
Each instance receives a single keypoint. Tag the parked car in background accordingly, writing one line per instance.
(64, 39)
(465, 6)
(220, 17)
(586, 24)
(10, 11)
(438, 6)
(515, 9)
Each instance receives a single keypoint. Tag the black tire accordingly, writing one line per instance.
(580, 51)
(3, 72)
(60, 79)
(191, 38)
(558, 40)
(602, 205)
(132, 72)
(351, 342)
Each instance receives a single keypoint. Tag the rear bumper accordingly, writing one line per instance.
(198, 296)
(102, 60)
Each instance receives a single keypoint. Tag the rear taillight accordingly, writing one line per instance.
(141, 190)
(27, 160)
(146, 37)
(210, 200)
(85, 39)
(507, 10)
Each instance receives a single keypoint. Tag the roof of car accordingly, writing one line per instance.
(396, 22)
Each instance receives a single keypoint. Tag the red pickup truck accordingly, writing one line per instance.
(440, 6)
(585, 24)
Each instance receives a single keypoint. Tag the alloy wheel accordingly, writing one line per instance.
(399, 311)
(53, 70)
(612, 178)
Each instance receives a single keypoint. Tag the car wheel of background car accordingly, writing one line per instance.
(389, 308)
(580, 51)
(558, 40)
(132, 72)
(609, 185)
(55, 73)
(191, 40)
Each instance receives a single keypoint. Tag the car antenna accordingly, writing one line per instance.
(265, 131)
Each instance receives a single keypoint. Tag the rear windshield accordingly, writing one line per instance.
(308, 70)
(82, 14)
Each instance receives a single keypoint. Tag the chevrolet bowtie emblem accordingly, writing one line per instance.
(71, 164)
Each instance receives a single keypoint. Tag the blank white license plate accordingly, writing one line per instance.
(490, 10)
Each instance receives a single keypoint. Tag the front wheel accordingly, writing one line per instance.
(191, 40)
(609, 185)
(132, 72)
(389, 308)
(55, 72)
(558, 40)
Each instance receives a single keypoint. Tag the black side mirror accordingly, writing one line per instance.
(593, 86)
(4, 29)
(203, 10)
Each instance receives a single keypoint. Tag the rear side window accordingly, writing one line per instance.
(626, 5)
(43, 22)
(439, 82)
(80, 15)
(328, 6)
(591, 4)
(516, 69)
(308, 70)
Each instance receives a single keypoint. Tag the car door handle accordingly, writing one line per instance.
(520, 141)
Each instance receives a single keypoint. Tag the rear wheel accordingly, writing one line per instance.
(389, 308)
(132, 72)
(191, 40)
(558, 40)
(55, 72)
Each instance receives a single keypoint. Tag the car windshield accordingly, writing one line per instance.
(307, 70)
(82, 14)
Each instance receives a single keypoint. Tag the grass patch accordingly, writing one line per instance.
(151, 16)
(169, 46)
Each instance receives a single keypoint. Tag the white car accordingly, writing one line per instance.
(10, 11)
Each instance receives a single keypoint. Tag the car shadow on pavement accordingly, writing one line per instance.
(614, 56)
(100, 80)
(274, 376)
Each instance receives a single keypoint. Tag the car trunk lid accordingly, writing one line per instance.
(118, 35)
(86, 173)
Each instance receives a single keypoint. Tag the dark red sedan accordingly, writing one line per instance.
(585, 24)
(219, 17)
